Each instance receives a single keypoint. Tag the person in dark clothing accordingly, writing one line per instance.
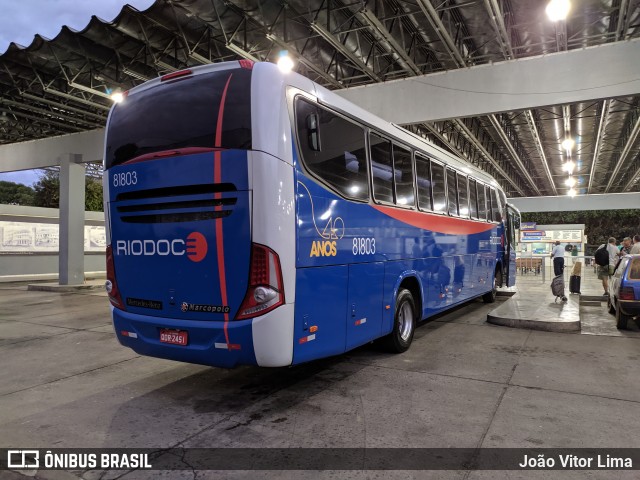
(558, 259)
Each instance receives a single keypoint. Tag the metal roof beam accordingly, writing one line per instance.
(73, 98)
(472, 138)
(563, 203)
(629, 138)
(396, 50)
(635, 176)
(604, 112)
(622, 25)
(533, 126)
(512, 85)
(46, 152)
(501, 30)
(434, 19)
(41, 120)
(337, 44)
(63, 107)
(524, 171)
(47, 113)
(457, 143)
(299, 58)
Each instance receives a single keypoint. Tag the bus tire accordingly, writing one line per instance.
(490, 297)
(404, 324)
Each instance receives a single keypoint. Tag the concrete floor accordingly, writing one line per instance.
(66, 382)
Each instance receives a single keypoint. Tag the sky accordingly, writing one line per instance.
(22, 19)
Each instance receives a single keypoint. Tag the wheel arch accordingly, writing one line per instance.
(411, 282)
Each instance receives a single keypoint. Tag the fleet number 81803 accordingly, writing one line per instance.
(364, 246)
(125, 179)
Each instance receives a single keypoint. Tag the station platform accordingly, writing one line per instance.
(92, 284)
(533, 306)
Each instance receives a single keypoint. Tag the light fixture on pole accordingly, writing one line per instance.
(558, 9)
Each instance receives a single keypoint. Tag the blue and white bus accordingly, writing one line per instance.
(255, 217)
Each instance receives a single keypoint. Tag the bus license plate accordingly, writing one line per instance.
(175, 337)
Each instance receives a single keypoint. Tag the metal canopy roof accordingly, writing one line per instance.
(60, 86)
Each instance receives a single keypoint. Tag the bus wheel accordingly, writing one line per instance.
(490, 297)
(404, 324)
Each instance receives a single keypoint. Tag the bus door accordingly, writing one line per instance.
(364, 315)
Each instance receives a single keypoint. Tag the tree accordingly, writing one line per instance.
(16, 194)
(93, 195)
(47, 191)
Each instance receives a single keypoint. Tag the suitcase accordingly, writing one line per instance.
(574, 284)
(557, 288)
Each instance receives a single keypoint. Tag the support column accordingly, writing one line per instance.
(71, 260)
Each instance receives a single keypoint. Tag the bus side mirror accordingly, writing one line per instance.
(516, 222)
(313, 130)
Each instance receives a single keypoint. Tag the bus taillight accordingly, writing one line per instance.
(172, 75)
(111, 284)
(265, 291)
(248, 64)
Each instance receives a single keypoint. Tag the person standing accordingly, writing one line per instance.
(636, 245)
(558, 259)
(625, 247)
(604, 272)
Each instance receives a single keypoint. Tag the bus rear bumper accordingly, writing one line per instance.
(207, 342)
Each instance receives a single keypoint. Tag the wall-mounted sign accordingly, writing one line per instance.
(528, 225)
(44, 237)
(565, 236)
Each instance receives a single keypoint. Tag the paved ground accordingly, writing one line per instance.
(66, 382)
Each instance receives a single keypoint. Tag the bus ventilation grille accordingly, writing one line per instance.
(156, 203)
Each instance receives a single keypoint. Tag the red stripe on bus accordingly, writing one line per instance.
(436, 223)
(217, 178)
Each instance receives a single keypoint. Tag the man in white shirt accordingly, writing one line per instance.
(606, 271)
(636, 245)
(558, 259)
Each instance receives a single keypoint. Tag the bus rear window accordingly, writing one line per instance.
(180, 114)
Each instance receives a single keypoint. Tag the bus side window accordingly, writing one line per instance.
(340, 159)
(463, 193)
(503, 204)
(439, 192)
(487, 193)
(473, 202)
(482, 202)
(495, 207)
(314, 132)
(381, 168)
(423, 176)
(403, 173)
(452, 191)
